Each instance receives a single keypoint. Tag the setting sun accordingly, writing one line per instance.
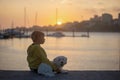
(59, 22)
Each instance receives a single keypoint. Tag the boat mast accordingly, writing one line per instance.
(56, 15)
(0, 27)
(36, 15)
(88, 32)
(12, 24)
(25, 17)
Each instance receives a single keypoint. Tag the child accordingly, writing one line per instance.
(36, 54)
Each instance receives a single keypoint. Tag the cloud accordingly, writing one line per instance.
(100, 3)
(116, 9)
(113, 9)
(96, 10)
(52, 0)
(66, 2)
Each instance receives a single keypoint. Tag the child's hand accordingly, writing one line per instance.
(58, 70)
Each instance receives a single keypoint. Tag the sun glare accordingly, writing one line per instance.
(59, 22)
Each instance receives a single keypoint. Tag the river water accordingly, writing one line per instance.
(101, 51)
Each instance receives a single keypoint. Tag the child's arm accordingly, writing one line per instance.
(42, 55)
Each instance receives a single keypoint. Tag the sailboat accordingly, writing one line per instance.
(86, 35)
(56, 34)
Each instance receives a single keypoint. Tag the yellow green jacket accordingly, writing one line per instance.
(37, 55)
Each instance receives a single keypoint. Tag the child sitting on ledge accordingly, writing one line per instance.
(36, 54)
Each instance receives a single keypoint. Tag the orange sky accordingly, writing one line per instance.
(68, 11)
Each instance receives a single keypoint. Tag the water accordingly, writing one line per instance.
(99, 52)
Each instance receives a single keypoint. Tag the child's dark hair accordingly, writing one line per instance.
(35, 35)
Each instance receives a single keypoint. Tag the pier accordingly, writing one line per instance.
(72, 75)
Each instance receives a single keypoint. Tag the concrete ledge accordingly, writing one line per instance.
(72, 75)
